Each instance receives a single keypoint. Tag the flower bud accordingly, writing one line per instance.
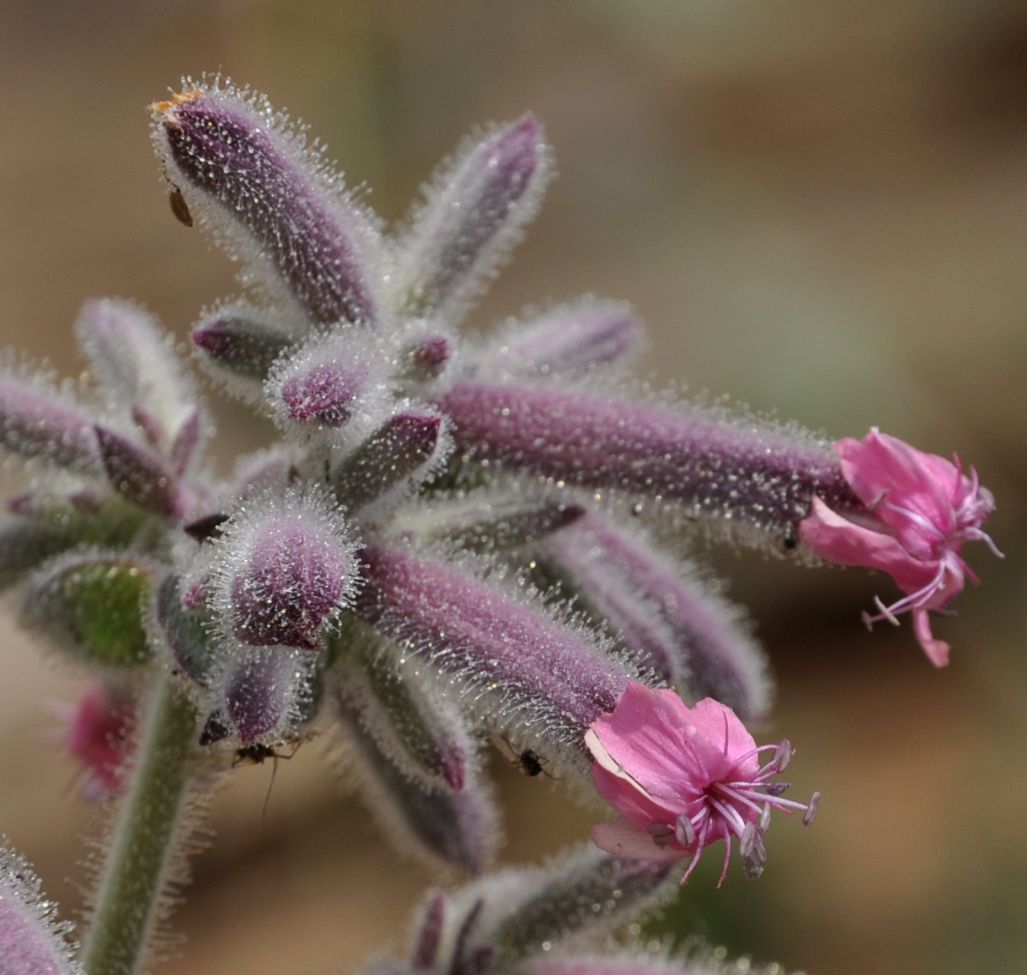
(526, 674)
(666, 616)
(439, 825)
(328, 382)
(424, 735)
(97, 737)
(137, 367)
(474, 211)
(238, 341)
(241, 169)
(284, 570)
(40, 422)
(263, 692)
(520, 912)
(568, 341)
(754, 476)
(139, 475)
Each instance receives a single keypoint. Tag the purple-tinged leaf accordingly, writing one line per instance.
(494, 526)
(632, 963)
(40, 422)
(139, 475)
(520, 912)
(429, 927)
(402, 451)
(137, 367)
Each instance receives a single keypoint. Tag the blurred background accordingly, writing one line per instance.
(818, 208)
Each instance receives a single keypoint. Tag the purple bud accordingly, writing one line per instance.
(139, 475)
(284, 570)
(136, 364)
(569, 340)
(430, 353)
(455, 828)
(324, 394)
(241, 344)
(32, 940)
(758, 474)
(329, 381)
(529, 911)
(259, 692)
(666, 616)
(241, 169)
(523, 671)
(398, 452)
(424, 735)
(39, 422)
(473, 214)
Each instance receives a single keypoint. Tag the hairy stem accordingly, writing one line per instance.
(136, 869)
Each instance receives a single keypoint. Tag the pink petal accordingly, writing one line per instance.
(887, 474)
(647, 734)
(843, 542)
(721, 740)
(937, 650)
(633, 802)
(623, 839)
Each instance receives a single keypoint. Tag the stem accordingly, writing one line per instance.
(136, 868)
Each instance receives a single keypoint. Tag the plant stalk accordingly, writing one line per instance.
(137, 865)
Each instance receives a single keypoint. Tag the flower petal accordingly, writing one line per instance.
(623, 839)
(843, 542)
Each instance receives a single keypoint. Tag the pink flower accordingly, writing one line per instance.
(96, 737)
(683, 778)
(920, 510)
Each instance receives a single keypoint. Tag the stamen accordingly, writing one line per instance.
(684, 832)
(811, 809)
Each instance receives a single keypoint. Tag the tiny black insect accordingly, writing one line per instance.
(256, 754)
(791, 542)
(531, 764)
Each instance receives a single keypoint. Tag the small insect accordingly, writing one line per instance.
(527, 760)
(258, 753)
(179, 207)
(531, 764)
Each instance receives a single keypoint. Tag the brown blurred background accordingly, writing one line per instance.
(818, 207)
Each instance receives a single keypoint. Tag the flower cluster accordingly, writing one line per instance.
(450, 539)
